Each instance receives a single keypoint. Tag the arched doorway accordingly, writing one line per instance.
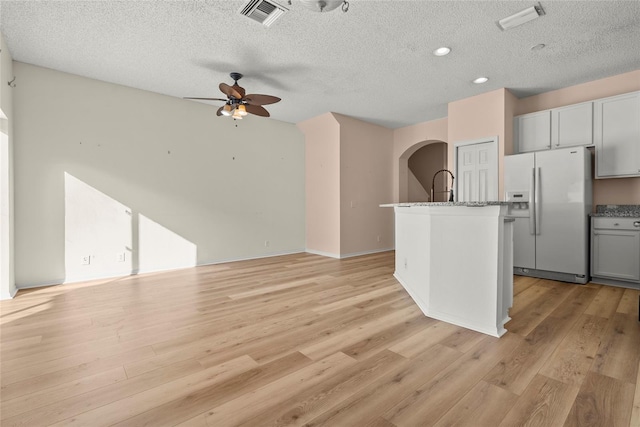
(416, 167)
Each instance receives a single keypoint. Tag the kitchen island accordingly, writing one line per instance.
(455, 260)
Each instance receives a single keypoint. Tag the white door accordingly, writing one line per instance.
(477, 171)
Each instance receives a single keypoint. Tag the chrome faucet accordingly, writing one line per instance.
(433, 184)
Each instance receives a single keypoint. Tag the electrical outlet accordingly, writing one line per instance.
(85, 260)
(378, 238)
(121, 257)
(266, 243)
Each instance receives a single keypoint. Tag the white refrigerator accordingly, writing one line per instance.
(550, 197)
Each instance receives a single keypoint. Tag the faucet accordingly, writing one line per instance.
(433, 184)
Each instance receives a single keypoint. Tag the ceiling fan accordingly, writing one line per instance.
(238, 104)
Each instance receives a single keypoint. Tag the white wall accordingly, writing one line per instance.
(105, 171)
(7, 282)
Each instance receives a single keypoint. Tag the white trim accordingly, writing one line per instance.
(375, 251)
(321, 253)
(64, 281)
(226, 260)
(490, 139)
(351, 255)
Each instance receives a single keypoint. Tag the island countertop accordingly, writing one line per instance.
(467, 204)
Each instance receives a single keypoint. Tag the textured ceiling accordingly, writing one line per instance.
(373, 62)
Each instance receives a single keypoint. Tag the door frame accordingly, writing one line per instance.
(492, 140)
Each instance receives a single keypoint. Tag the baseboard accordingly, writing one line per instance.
(351, 255)
(375, 251)
(321, 253)
(275, 254)
(116, 275)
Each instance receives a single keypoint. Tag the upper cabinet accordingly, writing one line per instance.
(572, 125)
(557, 128)
(617, 136)
(533, 131)
(611, 124)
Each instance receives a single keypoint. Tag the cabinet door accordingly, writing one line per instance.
(533, 131)
(617, 135)
(616, 254)
(572, 125)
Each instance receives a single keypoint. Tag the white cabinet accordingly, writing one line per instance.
(617, 135)
(615, 249)
(568, 126)
(572, 125)
(533, 131)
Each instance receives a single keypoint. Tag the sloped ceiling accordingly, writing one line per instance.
(373, 63)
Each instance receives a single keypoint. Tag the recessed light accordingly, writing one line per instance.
(481, 80)
(441, 51)
(538, 46)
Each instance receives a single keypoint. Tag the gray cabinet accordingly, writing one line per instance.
(615, 249)
(572, 125)
(533, 131)
(617, 136)
(568, 126)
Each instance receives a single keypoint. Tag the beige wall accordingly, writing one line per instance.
(408, 140)
(7, 280)
(348, 175)
(482, 116)
(365, 184)
(605, 191)
(87, 149)
(610, 86)
(322, 184)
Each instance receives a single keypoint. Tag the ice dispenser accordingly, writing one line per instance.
(518, 203)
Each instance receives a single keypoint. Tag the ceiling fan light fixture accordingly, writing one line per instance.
(226, 110)
(241, 110)
(236, 114)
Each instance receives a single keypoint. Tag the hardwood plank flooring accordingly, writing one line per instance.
(307, 340)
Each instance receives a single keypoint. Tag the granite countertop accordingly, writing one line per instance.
(468, 204)
(617, 211)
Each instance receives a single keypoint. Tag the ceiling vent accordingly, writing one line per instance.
(265, 12)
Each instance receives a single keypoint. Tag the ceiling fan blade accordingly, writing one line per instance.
(257, 99)
(257, 110)
(219, 112)
(229, 91)
(239, 89)
(207, 99)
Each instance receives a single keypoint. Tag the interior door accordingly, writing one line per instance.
(477, 170)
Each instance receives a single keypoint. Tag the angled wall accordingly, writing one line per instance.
(365, 183)
(322, 184)
(348, 175)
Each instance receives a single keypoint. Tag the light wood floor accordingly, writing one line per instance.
(307, 340)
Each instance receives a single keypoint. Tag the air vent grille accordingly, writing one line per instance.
(265, 12)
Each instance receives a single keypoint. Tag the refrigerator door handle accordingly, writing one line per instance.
(536, 200)
(532, 206)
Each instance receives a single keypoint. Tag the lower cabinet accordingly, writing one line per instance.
(615, 249)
